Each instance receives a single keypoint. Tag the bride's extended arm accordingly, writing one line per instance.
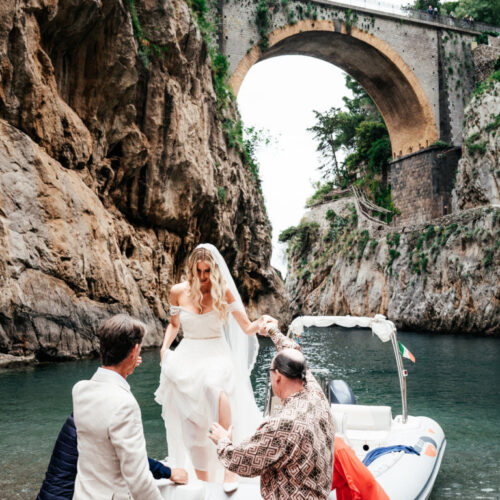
(249, 327)
(173, 326)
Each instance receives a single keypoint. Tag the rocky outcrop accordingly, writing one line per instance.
(441, 276)
(478, 175)
(485, 57)
(114, 164)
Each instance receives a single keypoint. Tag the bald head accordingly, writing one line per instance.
(291, 363)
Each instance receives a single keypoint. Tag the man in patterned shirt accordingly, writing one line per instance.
(292, 451)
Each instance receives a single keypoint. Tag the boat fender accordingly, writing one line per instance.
(341, 393)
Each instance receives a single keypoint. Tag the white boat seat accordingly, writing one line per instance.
(362, 417)
(363, 427)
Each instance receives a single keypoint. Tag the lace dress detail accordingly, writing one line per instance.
(174, 310)
(191, 381)
(234, 306)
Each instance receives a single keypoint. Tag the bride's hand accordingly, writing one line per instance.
(262, 327)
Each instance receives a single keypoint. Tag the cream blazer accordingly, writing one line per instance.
(112, 458)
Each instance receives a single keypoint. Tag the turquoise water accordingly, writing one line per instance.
(454, 381)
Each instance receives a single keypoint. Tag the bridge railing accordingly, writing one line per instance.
(451, 22)
(408, 12)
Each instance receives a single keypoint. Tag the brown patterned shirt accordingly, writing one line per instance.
(292, 451)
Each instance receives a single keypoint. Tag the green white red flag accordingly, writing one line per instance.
(406, 353)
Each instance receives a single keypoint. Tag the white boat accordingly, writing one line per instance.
(408, 450)
(367, 428)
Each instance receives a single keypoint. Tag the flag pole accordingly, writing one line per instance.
(402, 374)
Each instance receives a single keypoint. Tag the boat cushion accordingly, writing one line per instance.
(361, 418)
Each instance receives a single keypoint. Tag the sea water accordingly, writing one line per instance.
(455, 381)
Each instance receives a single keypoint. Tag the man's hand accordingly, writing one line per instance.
(271, 324)
(266, 323)
(217, 432)
(179, 476)
(138, 362)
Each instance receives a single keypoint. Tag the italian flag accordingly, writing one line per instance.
(406, 353)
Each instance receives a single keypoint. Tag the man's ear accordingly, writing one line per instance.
(134, 351)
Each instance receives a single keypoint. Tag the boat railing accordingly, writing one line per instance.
(383, 328)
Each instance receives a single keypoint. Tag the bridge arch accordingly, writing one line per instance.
(381, 71)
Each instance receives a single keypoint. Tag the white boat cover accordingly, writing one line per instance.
(379, 324)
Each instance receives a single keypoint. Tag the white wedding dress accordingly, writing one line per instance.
(192, 378)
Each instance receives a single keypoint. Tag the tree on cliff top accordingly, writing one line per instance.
(336, 131)
(359, 132)
(483, 11)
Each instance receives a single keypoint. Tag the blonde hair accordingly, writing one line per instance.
(218, 289)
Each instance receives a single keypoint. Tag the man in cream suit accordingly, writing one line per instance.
(112, 458)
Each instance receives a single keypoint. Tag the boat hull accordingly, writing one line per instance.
(402, 475)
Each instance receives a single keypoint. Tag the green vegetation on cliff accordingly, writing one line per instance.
(314, 254)
(146, 46)
(266, 9)
(244, 140)
(301, 237)
(220, 64)
(489, 83)
(313, 249)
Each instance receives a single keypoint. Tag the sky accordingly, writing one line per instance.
(279, 95)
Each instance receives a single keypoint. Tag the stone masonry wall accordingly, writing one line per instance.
(422, 183)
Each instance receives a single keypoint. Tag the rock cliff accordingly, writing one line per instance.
(478, 177)
(114, 164)
(442, 276)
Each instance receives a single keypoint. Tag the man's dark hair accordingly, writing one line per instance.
(118, 335)
(291, 368)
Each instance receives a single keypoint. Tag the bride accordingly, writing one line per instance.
(206, 379)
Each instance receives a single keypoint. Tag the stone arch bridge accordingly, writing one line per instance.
(419, 73)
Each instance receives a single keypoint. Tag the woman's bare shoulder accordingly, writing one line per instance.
(179, 289)
(229, 296)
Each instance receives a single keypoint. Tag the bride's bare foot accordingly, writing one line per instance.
(230, 481)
